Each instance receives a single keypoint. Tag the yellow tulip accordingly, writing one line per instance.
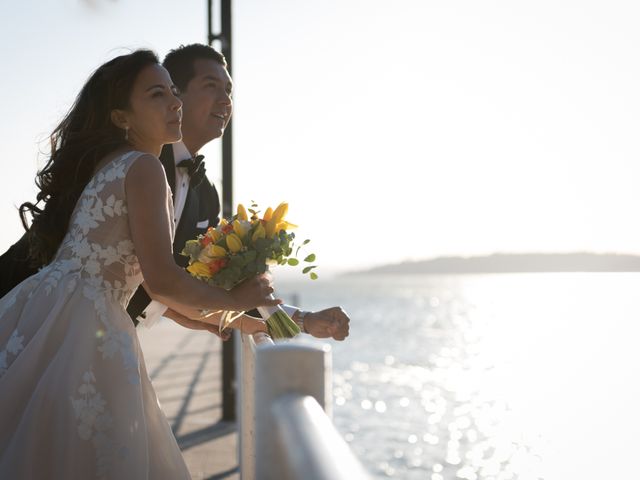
(199, 269)
(234, 243)
(216, 251)
(285, 226)
(242, 212)
(270, 229)
(213, 234)
(259, 233)
(240, 229)
(268, 214)
(211, 252)
(281, 211)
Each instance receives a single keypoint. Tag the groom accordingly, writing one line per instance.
(200, 74)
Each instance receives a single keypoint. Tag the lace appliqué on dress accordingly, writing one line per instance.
(94, 424)
(13, 347)
(88, 260)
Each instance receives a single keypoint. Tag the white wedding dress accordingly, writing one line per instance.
(75, 398)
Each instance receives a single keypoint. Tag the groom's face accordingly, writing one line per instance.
(207, 104)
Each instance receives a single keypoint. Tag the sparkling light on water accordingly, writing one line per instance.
(489, 377)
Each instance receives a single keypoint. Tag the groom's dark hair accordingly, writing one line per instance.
(180, 62)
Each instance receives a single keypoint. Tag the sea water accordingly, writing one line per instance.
(519, 376)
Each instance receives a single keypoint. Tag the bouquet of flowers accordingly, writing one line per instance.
(243, 246)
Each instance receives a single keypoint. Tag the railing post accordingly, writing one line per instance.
(245, 403)
(286, 368)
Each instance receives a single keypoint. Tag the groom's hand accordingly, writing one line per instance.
(331, 322)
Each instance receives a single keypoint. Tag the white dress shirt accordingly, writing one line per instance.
(180, 153)
(155, 309)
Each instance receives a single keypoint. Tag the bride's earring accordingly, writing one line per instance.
(126, 134)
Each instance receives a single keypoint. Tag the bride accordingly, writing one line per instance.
(75, 398)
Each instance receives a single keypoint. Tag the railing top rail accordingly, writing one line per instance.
(314, 450)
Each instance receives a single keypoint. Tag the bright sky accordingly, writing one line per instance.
(437, 128)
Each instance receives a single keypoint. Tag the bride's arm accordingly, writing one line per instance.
(149, 222)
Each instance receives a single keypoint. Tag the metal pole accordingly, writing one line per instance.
(228, 347)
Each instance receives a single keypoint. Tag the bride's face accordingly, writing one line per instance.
(155, 112)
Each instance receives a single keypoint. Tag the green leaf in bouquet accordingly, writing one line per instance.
(308, 269)
(261, 268)
(293, 262)
(310, 258)
(251, 268)
(234, 272)
(230, 284)
(261, 258)
(248, 257)
(235, 262)
(313, 276)
(263, 244)
(306, 241)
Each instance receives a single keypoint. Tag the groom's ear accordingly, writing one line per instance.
(119, 118)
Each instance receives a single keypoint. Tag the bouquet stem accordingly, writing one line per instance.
(279, 324)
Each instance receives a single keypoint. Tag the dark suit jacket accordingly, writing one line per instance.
(202, 204)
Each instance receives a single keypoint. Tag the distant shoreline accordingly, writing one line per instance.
(514, 263)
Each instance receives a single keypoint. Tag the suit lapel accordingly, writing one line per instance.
(189, 216)
(169, 164)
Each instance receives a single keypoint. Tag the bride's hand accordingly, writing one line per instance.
(254, 292)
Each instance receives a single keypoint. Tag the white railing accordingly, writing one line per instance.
(284, 405)
(246, 403)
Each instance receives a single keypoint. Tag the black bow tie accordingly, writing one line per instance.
(195, 169)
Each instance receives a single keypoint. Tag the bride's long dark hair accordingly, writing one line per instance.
(83, 138)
